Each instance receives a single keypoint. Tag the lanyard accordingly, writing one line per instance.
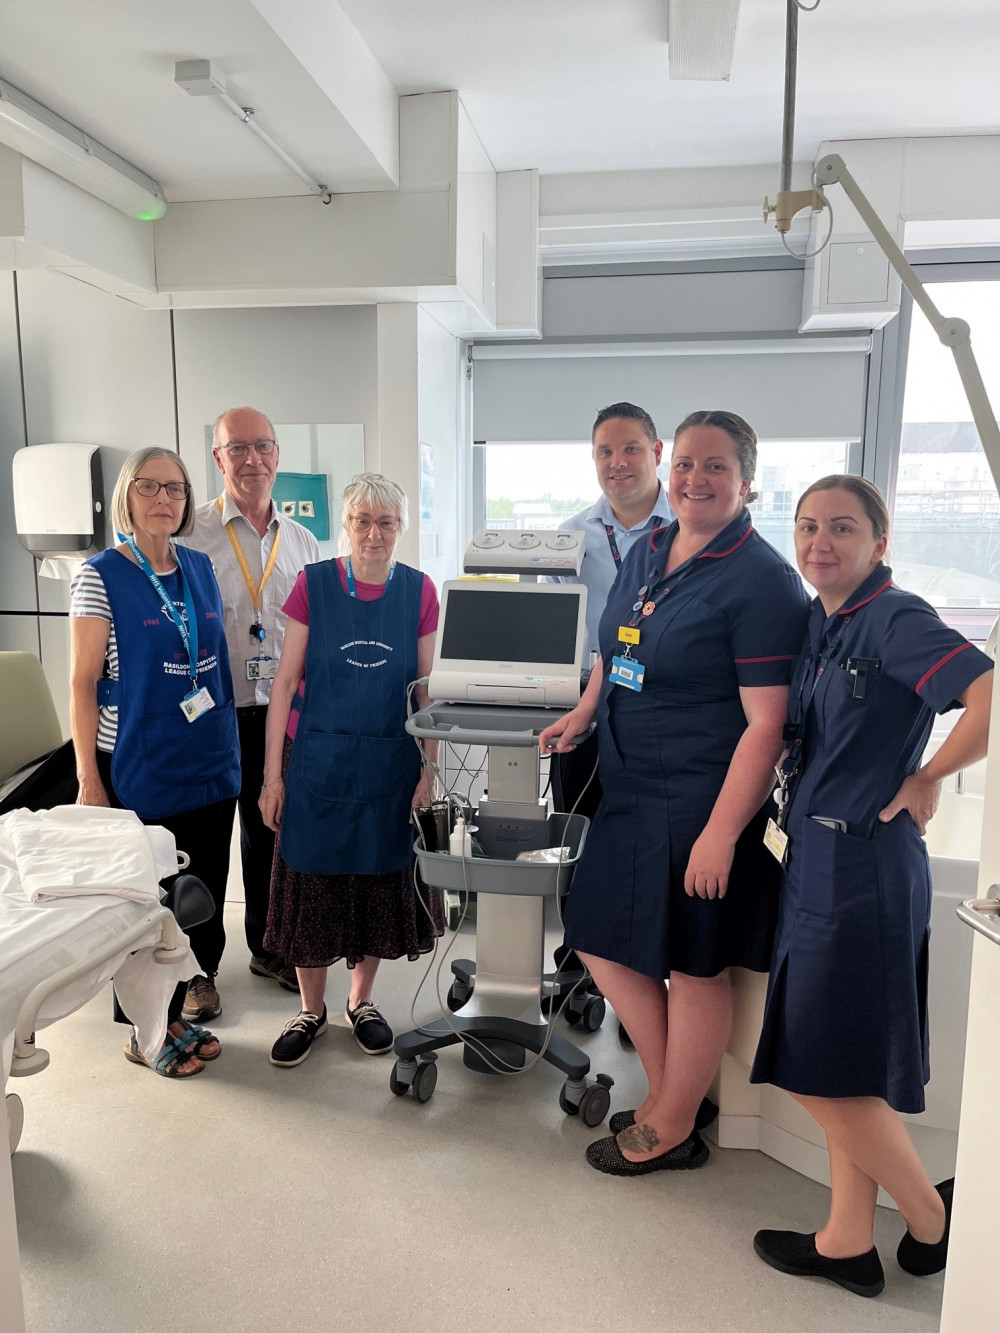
(795, 731)
(615, 553)
(188, 630)
(256, 591)
(352, 587)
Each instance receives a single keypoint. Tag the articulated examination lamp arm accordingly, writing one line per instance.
(953, 333)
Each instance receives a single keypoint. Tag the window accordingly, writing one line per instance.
(946, 521)
(784, 469)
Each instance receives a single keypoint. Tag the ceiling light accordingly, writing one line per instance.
(36, 132)
(200, 78)
(701, 36)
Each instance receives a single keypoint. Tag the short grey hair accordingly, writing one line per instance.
(370, 490)
(121, 515)
(228, 412)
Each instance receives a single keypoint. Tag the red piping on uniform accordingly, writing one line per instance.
(654, 534)
(718, 555)
(781, 657)
(846, 610)
(938, 665)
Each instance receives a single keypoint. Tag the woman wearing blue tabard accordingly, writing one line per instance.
(341, 775)
(845, 1024)
(151, 706)
(701, 629)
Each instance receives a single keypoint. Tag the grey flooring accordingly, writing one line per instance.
(312, 1199)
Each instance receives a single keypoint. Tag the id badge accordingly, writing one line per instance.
(776, 841)
(262, 668)
(626, 671)
(196, 703)
(626, 634)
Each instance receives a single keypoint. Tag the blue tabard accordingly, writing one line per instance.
(163, 764)
(353, 768)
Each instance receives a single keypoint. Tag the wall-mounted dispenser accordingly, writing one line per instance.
(59, 500)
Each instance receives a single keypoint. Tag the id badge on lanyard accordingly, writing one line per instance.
(197, 702)
(775, 837)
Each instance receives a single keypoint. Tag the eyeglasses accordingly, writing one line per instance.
(177, 490)
(363, 523)
(240, 449)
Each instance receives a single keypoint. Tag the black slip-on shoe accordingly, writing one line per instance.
(918, 1257)
(605, 1155)
(297, 1038)
(372, 1033)
(795, 1252)
(707, 1112)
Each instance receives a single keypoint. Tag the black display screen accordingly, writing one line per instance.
(484, 625)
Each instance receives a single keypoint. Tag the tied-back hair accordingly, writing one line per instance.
(371, 491)
(627, 412)
(740, 432)
(870, 496)
(121, 516)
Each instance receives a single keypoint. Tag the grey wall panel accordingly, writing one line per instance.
(310, 365)
(784, 395)
(55, 660)
(17, 568)
(18, 634)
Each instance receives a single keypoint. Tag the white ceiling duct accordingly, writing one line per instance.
(702, 34)
(36, 132)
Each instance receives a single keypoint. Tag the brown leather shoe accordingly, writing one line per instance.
(202, 1001)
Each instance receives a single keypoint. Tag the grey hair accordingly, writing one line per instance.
(740, 432)
(228, 412)
(370, 490)
(121, 515)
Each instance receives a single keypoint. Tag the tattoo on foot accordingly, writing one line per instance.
(638, 1138)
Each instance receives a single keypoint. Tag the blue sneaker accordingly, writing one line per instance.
(372, 1033)
(297, 1038)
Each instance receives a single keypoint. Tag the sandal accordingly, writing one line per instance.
(197, 1039)
(169, 1060)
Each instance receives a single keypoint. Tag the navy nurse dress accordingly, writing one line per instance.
(733, 615)
(846, 1010)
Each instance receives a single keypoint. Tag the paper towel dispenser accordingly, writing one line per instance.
(59, 499)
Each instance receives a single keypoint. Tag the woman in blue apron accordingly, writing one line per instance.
(341, 775)
(152, 711)
(698, 639)
(845, 1024)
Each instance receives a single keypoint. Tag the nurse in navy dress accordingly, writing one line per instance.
(674, 880)
(845, 1024)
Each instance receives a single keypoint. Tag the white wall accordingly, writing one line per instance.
(442, 532)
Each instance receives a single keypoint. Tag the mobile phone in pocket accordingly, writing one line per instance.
(839, 825)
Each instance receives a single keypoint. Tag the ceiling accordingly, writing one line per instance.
(560, 85)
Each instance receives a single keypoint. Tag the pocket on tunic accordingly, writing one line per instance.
(836, 872)
(358, 769)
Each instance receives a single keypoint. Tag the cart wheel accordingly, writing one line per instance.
(458, 995)
(593, 1014)
(573, 1016)
(453, 918)
(624, 1040)
(400, 1089)
(566, 1105)
(594, 1104)
(425, 1081)
(15, 1120)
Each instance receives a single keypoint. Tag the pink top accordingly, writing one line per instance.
(297, 607)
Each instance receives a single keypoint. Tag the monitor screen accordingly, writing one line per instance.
(485, 625)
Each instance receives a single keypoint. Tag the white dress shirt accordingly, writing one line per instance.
(298, 548)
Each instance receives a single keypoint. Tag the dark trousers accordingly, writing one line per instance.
(205, 834)
(256, 839)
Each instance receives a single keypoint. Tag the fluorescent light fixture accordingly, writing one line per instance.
(200, 78)
(701, 36)
(36, 132)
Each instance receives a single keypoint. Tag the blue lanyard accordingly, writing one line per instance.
(189, 630)
(615, 553)
(352, 587)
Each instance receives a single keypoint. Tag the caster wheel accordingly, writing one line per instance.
(565, 1105)
(594, 1104)
(624, 1040)
(458, 995)
(395, 1086)
(593, 1015)
(453, 918)
(425, 1081)
(572, 1017)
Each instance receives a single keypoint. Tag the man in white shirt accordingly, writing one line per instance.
(258, 554)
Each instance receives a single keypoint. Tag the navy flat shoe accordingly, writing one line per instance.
(919, 1258)
(707, 1112)
(795, 1252)
(605, 1155)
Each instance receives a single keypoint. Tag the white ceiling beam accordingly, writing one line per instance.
(335, 56)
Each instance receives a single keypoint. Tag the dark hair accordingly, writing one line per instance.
(629, 412)
(869, 495)
(740, 432)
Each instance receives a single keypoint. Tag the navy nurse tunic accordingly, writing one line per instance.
(846, 1009)
(731, 616)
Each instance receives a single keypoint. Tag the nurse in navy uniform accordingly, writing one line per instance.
(341, 775)
(845, 1024)
(698, 639)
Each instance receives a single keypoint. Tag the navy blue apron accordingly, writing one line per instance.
(162, 764)
(353, 769)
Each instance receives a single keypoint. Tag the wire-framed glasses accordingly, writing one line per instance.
(364, 522)
(240, 448)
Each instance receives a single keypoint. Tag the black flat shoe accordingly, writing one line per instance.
(605, 1155)
(920, 1258)
(795, 1252)
(707, 1112)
